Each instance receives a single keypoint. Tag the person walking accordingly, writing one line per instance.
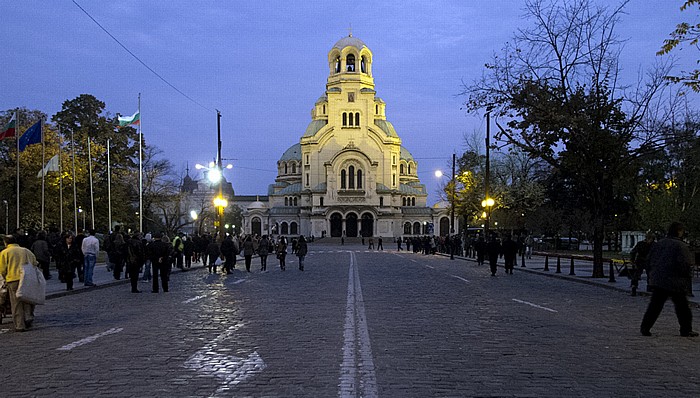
(12, 258)
(398, 244)
(212, 253)
(116, 251)
(159, 254)
(147, 263)
(510, 252)
(68, 257)
(41, 251)
(90, 248)
(371, 243)
(178, 250)
(188, 250)
(135, 258)
(480, 249)
(78, 241)
(248, 251)
(380, 246)
(263, 252)
(493, 249)
(302, 250)
(282, 252)
(228, 251)
(639, 257)
(670, 264)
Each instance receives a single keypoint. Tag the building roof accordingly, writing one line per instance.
(405, 154)
(290, 189)
(409, 190)
(386, 127)
(350, 41)
(293, 153)
(313, 128)
(257, 205)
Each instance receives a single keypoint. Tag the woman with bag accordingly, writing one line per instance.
(68, 258)
(12, 260)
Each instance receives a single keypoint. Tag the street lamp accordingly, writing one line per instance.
(80, 210)
(439, 174)
(487, 204)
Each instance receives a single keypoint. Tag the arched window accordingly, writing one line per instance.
(407, 228)
(284, 229)
(324, 109)
(376, 109)
(351, 177)
(350, 119)
(413, 201)
(409, 168)
(285, 168)
(416, 228)
(294, 168)
(350, 63)
(293, 229)
(357, 119)
(286, 201)
(381, 201)
(359, 179)
(401, 169)
(403, 202)
(296, 203)
(337, 64)
(345, 119)
(342, 179)
(363, 64)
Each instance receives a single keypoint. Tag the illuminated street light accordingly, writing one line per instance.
(438, 173)
(193, 214)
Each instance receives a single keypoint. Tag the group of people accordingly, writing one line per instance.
(249, 246)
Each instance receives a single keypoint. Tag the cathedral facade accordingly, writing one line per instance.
(348, 175)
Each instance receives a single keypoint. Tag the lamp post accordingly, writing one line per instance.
(80, 210)
(7, 217)
(439, 174)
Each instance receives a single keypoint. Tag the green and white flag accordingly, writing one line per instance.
(52, 165)
(133, 120)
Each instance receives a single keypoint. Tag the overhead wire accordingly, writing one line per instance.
(139, 59)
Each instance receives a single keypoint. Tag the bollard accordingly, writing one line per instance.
(571, 267)
(612, 272)
(558, 265)
(546, 263)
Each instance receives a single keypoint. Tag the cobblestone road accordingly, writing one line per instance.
(354, 323)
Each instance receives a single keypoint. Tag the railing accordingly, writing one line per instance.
(615, 265)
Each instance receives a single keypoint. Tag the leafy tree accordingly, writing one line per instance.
(689, 33)
(556, 85)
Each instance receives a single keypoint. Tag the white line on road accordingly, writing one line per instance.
(239, 281)
(356, 341)
(460, 278)
(194, 299)
(534, 305)
(89, 339)
(429, 266)
(4, 331)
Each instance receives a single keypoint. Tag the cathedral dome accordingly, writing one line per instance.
(350, 41)
(293, 153)
(257, 205)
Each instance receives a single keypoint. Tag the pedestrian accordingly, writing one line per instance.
(529, 242)
(159, 254)
(248, 251)
(398, 243)
(282, 252)
(147, 264)
(41, 251)
(302, 250)
(78, 241)
(90, 248)
(639, 257)
(380, 246)
(510, 253)
(493, 250)
(68, 257)
(188, 250)
(12, 258)
(228, 251)
(116, 252)
(135, 259)
(371, 243)
(212, 253)
(178, 250)
(670, 264)
(263, 252)
(480, 249)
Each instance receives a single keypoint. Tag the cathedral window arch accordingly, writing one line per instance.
(401, 170)
(324, 109)
(381, 201)
(337, 64)
(413, 201)
(357, 119)
(376, 109)
(350, 63)
(350, 119)
(342, 179)
(403, 201)
(363, 64)
(351, 177)
(345, 119)
(294, 168)
(409, 168)
(293, 228)
(407, 228)
(296, 203)
(285, 168)
(284, 229)
(359, 179)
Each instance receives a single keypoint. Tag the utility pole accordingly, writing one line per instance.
(220, 209)
(488, 174)
(452, 210)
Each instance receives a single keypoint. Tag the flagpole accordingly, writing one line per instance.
(43, 174)
(75, 195)
(92, 196)
(109, 192)
(140, 171)
(17, 141)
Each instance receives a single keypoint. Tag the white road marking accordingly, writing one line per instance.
(414, 260)
(429, 266)
(238, 281)
(534, 305)
(356, 341)
(4, 331)
(232, 370)
(194, 299)
(89, 339)
(460, 278)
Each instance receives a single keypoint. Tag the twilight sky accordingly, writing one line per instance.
(263, 65)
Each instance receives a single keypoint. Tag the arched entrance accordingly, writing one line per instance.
(351, 225)
(336, 225)
(256, 226)
(444, 226)
(367, 225)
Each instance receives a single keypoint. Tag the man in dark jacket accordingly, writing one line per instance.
(135, 259)
(228, 251)
(493, 248)
(159, 252)
(510, 253)
(639, 256)
(670, 275)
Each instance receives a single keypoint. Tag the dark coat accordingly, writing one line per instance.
(158, 252)
(671, 266)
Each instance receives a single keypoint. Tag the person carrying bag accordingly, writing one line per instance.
(18, 266)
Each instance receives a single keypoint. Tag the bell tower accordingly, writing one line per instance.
(350, 61)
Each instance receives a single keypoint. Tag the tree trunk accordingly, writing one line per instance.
(598, 235)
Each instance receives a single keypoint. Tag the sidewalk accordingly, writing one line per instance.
(102, 278)
(583, 271)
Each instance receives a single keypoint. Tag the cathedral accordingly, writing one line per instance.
(348, 175)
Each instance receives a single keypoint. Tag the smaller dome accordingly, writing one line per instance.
(257, 205)
(405, 154)
(441, 205)
(350, 41)
(293, 153)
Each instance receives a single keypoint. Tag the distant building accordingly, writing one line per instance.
(348, 174)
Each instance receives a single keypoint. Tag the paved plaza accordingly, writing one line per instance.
(353, 323)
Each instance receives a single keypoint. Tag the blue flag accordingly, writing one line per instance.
(31, 136)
